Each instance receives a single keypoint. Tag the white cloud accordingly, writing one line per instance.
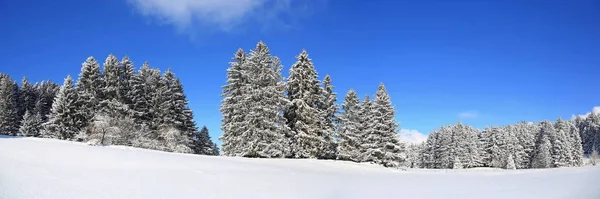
(188, 15)
(468, 114)
(412, 136)
(595, 110)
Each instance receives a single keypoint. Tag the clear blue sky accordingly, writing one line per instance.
(485, 63)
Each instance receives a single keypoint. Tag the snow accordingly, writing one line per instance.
(46, 168)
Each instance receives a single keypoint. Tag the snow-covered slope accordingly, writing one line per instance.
(43, 168)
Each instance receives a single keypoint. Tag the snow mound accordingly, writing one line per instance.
(52, 169)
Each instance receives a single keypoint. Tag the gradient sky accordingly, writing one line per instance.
(481, 62)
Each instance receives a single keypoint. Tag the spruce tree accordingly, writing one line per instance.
(203, 144)
(382, 144)
(365, 126)
(561, 148)
(27, 97)
(428, 152)
(89, 86)
(232, 109)
(304, 116)
(349, 135)
(30, 125)
(263, 95)
(9, 109)
(110, 81)
(575, 142)
(510, 163)
(64, 120)
(46, 91)
(543, 150)
(127, 72)
(329, 108)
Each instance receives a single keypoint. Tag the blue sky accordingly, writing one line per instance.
(481, 62)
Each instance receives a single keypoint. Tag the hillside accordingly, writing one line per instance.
(45, 168)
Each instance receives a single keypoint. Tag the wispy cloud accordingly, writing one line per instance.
(412, 136)
(222, 15)
(468, 115)
(595, 110)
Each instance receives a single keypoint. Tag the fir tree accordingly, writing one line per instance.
(232, 108)
(304, 116)
(457, 164)
(510, 163)
(349, 136)
(575, 143)
(543, 156)
(31, 125)
(89, 86)
(110, 81)
(329, 108)
(203, 144)
(27, 97)
(64, 121)
(561, 148)
(264, 122)
(381, 144)
(9, 109)
(428, 153)
(46, 92)
(127, 72)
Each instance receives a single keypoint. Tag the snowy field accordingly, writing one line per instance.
(52, 169)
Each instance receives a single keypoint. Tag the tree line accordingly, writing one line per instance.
(267, 116)
(116, 105)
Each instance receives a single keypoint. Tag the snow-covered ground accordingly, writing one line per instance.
(52, 169)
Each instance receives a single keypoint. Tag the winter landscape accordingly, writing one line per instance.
(376, 112)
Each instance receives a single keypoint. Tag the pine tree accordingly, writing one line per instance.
(304, 116)
(127, 72)
(27, 97)
(525, 133)
(30, 125)
(329, 108)
(146, 85)
(203, 144)
(349, 135)
(46, 91)
(456, 164)
(510, 163)
(64, 121)
(428, 153)
(89, 86)
(575, 142)
(110, 81)
(561, 151)
(9, 109)
(381, 144)
(265, 124)
(232, 108)
(543, 156)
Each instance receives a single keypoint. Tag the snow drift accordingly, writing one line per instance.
(44, 168)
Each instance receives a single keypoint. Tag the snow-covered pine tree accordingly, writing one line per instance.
(9, 109)
(330, 109)
(232, 108)
(456, 164)
(561, 149)
(65, 119)
(27, 97)
(349, 135)
(510, 163)
(382, 145)
(365, 127)
(264, 136)
(146, 83)
(89, 86)
(512, 147)
(110, 81)
(46, 91)
(127, 71)
(575, 143)
(428, 153)
(203, 144)
(590, 132)
(30, 125)
(496, 146)
(542, 155)
(484, 146)
(525, 133)
(304, 116)
(413, 153)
